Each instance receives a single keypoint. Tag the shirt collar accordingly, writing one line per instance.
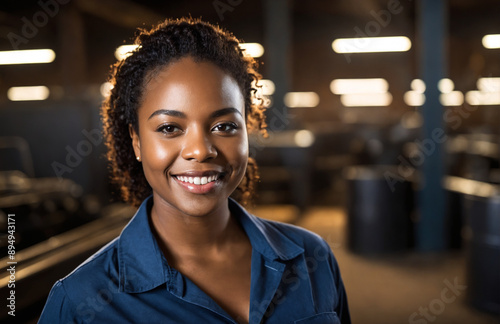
(139, 256)
(141, 262)
(265, 236)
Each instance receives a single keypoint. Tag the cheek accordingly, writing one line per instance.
(157, 156)
(240, 154)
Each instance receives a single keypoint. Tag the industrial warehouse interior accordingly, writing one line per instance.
(383, 137)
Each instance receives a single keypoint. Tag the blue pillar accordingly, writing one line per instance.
(278, 26)
(432, 26)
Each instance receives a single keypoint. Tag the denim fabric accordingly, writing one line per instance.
(294, 279)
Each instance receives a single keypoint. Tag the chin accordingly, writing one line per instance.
(194, 205)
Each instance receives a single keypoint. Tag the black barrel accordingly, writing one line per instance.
(379, 205)
(483, 252)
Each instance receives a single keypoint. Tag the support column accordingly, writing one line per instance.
(278, 61)
(432, 26)
(71, 55)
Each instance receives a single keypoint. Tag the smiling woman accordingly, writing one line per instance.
(176, 124)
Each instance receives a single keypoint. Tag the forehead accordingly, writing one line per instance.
(186, 84)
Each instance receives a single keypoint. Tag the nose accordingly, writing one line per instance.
(198, 146)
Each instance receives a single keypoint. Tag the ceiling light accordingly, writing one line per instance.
(491, 41)
(304, 138)
(366, 99)
(482, 98)
(106, 88)
(446, 85)
(264, 87)
(452, 98)
(28, 93)
(371, 44)
(351, 86)
(301, 99)
(418, 85)
(252, 49)
(414, 98)
(125, 51)
(488, 84)
(27, 56)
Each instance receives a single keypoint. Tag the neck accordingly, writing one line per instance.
(181, 234)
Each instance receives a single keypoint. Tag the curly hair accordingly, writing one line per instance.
(157, 48)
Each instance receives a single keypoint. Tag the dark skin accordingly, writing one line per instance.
(193, 145)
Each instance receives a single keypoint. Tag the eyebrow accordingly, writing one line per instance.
(179, 114)
(173, 113)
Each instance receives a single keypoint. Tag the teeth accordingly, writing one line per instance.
(197, 180)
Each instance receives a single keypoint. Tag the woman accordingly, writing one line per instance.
(176, 125)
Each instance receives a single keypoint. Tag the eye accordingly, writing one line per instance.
(226, 128)
(169, 129)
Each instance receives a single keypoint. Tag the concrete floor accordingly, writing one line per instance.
(394, 288)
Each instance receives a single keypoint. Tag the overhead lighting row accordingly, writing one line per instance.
(340, 45)
(353, 93)
(249, 49)
(391, 44)
(369, 92)
(371, 44)
(488, 93)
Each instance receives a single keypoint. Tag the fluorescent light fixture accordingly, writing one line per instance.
(252, 49)
(418, 85)
(488, 84)
(351, 86)
(28, 93)
(371, 44)
(301, 99)
(304, 138)
(446, 85)
(125, 51)
(264, 87)
(491, 41)
(478, 98)
(106, 88)
(414, 98)
(366, 99)
(452, 98)
(27, 56)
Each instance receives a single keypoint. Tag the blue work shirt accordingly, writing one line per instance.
(294, 279)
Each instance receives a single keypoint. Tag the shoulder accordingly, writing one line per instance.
(91, 282)
(94, 274)
(100, 263)
(311, 242)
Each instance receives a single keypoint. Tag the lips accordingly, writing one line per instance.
(199, 182)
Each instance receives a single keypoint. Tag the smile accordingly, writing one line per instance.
(200, 182)
(197, 180)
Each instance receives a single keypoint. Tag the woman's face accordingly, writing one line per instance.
(192, 136)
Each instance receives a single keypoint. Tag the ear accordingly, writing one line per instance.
(136, 142)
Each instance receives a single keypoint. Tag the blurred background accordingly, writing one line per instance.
(384, 138)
